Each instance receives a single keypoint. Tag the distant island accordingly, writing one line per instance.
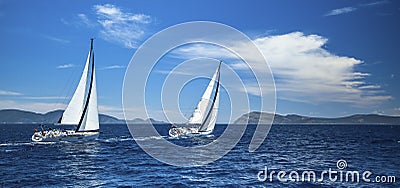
(254, 117)
(20, 116)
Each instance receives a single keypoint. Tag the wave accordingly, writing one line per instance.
(129, 138)
(190, 137)
(45, 143)
(195, 179)
(25, 143)
(117, 139)
(150, 138)
(17, 144)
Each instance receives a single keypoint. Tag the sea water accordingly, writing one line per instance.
(114, 159)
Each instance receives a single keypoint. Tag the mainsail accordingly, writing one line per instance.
(211, 118)
(82, 109)
(206, 119)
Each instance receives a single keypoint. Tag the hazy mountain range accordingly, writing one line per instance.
(254, 117)
(19, 116)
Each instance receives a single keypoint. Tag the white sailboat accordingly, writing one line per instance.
(202, 121)
(81, 111)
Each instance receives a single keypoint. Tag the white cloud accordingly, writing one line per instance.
(370, 87)
(46, 98)
(346, 10)
(56, 39)
(304, 71)
(65, 66)
(194, 50)
(239, 66)
(375, 3)
(112, 67)
(184, 73)
(12, 93)
(114, 24)
(85, 20)
(121, 27)
(339, 11)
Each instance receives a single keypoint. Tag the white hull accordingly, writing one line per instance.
(183, 131)
(68, 135)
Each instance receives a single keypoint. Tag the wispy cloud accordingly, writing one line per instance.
(79, 21)
(56, 39)
(121, 27)
(85, 20)
(45, 98)
(193, 51)
(65, 66)
(349, 9)
(184, 73)
(376, 3)
(10, 93)
(369, 87)
(114, 24)
(112, 67)
(339, 11)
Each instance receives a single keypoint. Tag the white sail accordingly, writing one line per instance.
(201, 109)
(92, 118)
(209, 123)
(74, 110)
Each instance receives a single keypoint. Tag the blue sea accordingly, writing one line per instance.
(115, 160)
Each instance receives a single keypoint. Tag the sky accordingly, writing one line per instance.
(328, 58)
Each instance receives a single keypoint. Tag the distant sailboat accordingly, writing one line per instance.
(81, 111)
(202, 122)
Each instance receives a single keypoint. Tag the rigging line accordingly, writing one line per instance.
(67, 89)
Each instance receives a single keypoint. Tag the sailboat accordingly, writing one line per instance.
(81, 111)
(202, 121)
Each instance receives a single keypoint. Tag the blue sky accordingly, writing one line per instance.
(328, 58)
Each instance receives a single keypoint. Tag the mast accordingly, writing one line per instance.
(90, 88)
(204, 125)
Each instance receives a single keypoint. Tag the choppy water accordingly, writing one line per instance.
(115, 160)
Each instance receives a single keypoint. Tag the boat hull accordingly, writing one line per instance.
(183, 131)
(69, 136)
